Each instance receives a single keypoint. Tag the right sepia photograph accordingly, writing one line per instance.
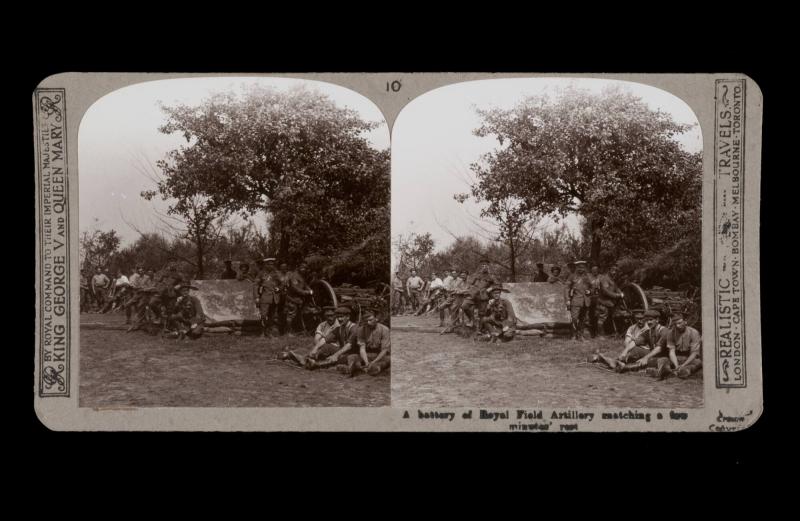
(546, 246)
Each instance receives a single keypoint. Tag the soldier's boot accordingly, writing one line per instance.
(663, 369)
(612, 363)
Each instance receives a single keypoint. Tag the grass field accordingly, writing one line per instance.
(119, 369)
(448, 370)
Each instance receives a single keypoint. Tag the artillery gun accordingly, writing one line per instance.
(664, 300)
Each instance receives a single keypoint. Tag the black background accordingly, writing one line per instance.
(685, 45)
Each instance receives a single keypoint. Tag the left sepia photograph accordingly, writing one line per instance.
(234, 246)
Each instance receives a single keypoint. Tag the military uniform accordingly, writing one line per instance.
(607, 296)
(165, 289)
(267, 291)
(343, 335)
(455, 300)
(685, 343)
(375, 340)
(500, 320)
(188, 317)
(297, 291)
(579, 295)
(479, 294)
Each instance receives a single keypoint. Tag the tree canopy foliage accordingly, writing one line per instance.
(294, 155)
(607, 157)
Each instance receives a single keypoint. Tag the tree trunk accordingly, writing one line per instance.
(513, 260)
(200, 259)
(596, 241)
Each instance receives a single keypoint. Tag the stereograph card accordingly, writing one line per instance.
(398, 252)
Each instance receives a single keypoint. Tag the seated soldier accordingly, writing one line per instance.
(683, 345)
(499, 321)
(374, 353)
(325, 332)
(640, 340)
(340, 341)
(187, 318)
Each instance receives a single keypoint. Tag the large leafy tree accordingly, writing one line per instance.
(296, 156)
(607, 157)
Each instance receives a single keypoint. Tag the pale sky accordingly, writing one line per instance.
(433, 146)
(120, 131)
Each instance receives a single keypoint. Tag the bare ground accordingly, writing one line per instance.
(119, 369)
(448, 370)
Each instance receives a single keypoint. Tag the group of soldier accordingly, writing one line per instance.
(281, 296)
(147, 296)
(592, 299)
(351, 348)
(463, 301)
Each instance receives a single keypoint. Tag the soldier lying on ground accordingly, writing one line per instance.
(500, 322)
(640, 340)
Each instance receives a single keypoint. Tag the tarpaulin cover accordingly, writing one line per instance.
(539, 303)
(226, 301)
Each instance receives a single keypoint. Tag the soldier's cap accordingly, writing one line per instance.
(498, 287)
(555, 267)
(540, 264)
(639, 313)
(268, 259)
(652, 313)
(579, 263)
(329, 309)
(342, 310)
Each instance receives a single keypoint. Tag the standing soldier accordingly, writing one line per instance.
(99, 286)
(266, 293)
(479, 294)
(555, 275)
(297, 293)
(579, 294)
(228, 273)
(244, 272)
(398, 294)
(608, 296)
(540, 275)
(85, 296)
(282, 275)
(459, 291)
(594, 277)
(414, 286)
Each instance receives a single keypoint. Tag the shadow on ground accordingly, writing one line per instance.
(136, 369)
(448, 370)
